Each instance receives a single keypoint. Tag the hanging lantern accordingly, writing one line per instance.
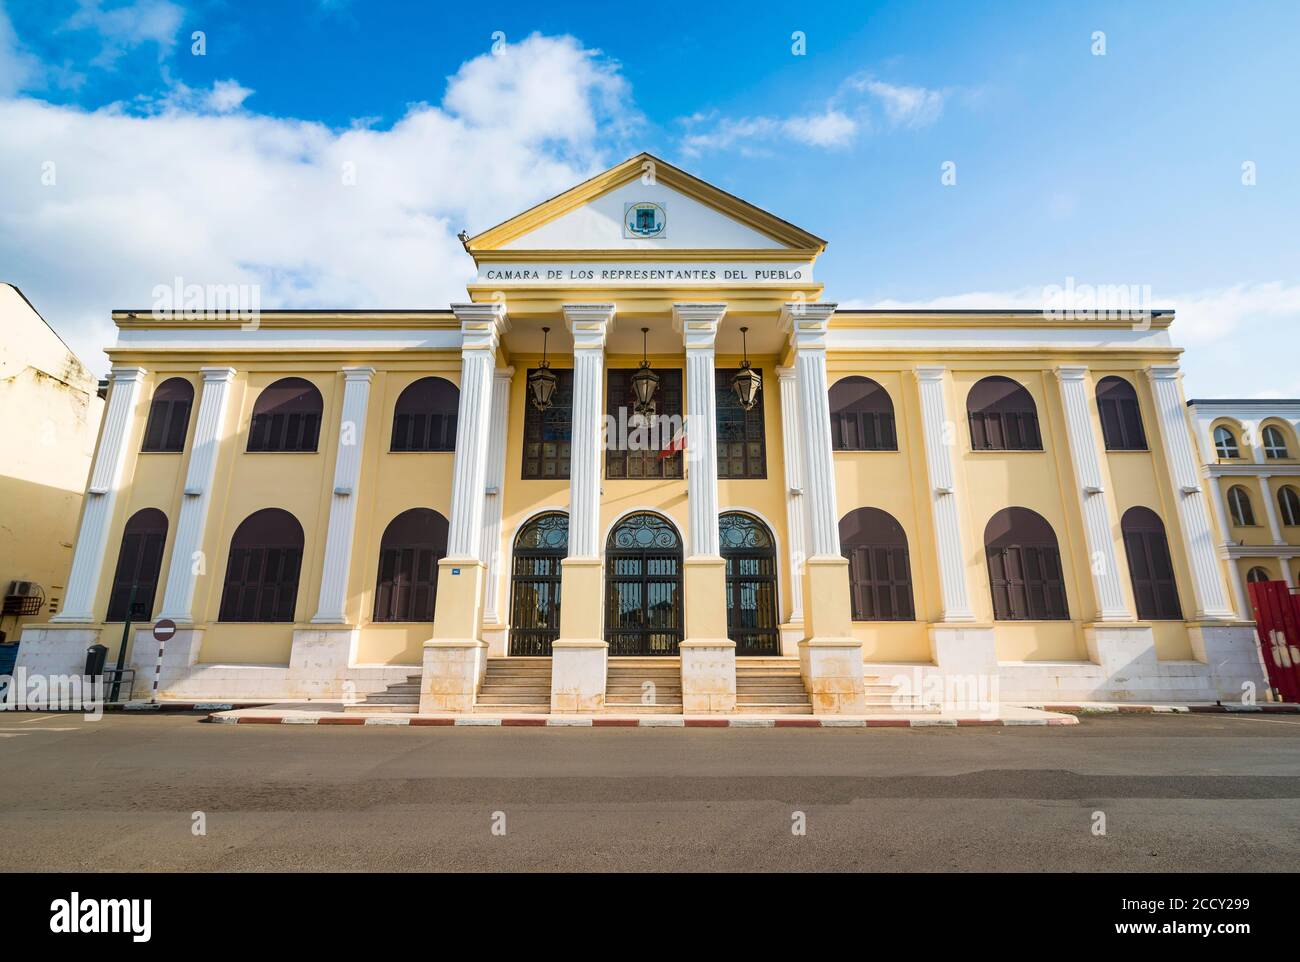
(644, 381)
(541, 383)
(746, 382)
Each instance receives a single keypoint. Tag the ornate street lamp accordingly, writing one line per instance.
(746, 382)
(541, 383)
(644, 381)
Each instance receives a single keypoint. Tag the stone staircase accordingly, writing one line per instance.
(625, 690)
(514, 686)
(403, 697)
(883, 697)
(770, 686)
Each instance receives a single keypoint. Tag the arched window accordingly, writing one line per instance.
(862, 416)
(262, 571)
(135, 581)
(643, 586)
(753, 622)
(1275, 443)
(407, 586)
(1003, 416)
(1243, 515)
(1121, 418)
(1225, 443)
(1024, 567)
(1288, 501)
(286, 417)
(424, 418)
(880, 572)
(540, 547)
(169, 416)
(1256, 575)
(1150, 566)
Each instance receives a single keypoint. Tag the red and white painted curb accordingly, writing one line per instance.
(645, 721)
(1270, 708)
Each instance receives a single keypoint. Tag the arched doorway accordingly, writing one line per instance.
(540, 546)
(643, 586)
(750, 553)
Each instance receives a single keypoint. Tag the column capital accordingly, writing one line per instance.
(213, 375)
(786, 374)
(698, 323)
(358, 373)
(930, 373)
(807, 323)
(589, 324)
(481, 324)
(1164, 372)
(504, 373)
(126, 374)
(1071, 372)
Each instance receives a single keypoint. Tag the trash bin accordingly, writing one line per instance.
(96, 655)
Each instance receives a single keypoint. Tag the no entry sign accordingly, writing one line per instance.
(164, 630)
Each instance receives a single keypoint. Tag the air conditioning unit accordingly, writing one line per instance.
(24, 598)
(22, 589)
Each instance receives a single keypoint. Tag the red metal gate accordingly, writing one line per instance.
(1277, 622)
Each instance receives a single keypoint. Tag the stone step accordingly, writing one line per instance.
(805, 709)
(619, 709)
(405, 708)
(746, 698)
(513, 699)
(520, 709)
(515, 686)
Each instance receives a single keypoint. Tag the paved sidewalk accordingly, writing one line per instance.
(325, 713)
(1133, 708)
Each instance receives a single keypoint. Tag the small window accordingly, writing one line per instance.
(262, 570)
(1024, 562)
(1225, 443)
(169, 416)
(424, 417)
(862, 416)
(1121, 418)
(880, 572)
(548, 434)
(1003, 416)
(406, 588)
(647, 453)
(139, 561)
(286, 417)
(1151, 568)
(1258, 575)
(1288, 501)
(742, 441)
(1243, 515)
(1275, 443)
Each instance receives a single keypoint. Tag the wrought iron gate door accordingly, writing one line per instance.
(750, 553)
(535, 584)
(643, 587)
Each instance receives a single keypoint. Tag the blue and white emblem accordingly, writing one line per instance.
(644, 219)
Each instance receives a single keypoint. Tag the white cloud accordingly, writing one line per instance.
(124, 28)
(18, 68)
(837, 124)
(241, 198)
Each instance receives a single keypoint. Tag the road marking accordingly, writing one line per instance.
(1254, 717)
(28, 731)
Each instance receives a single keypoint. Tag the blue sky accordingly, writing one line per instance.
(1122, 168)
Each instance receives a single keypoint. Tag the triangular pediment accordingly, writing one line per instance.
(645, 204)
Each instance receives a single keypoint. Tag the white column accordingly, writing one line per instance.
(209, 429)
(940, 439)
(808, 325)
(101, 494)
(794, 499)
(481, 328)
(1219, 510)
(1287, 574)
(496, 476)
(698, 325)
(1097, 521)
(1270, 509)
(343, 505)
(589, 324)
(1193, 516)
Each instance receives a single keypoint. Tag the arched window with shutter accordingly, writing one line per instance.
(406, 588)
(424, 417)
(1003, 416)
(1256, 575)
(1240, 508)
(139, 561)
(880, 571)
(1150, 566)
(1025, 574)
(286, 417)
(862, 416)
(1288, 503)
(1225, 443)
(262, 570)
(1275, 446)
(1121, 417)
(169, 416)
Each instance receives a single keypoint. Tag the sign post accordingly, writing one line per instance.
(162, 633)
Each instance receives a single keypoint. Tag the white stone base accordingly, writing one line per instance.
(832, 674)
(708, 675)
(54, 650)
(452, 674)
(497, 638)
(578, 675)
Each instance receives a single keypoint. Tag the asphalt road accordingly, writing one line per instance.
(1178, 793)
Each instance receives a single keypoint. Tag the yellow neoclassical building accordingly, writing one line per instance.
(648, 466)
